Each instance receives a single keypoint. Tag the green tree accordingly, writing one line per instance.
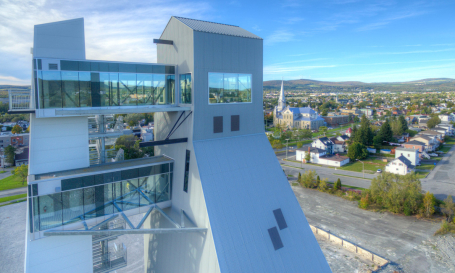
(404, 123)
(307, 157)
(318, 180)
(385, 132)
(338, 184)
(21, 172)
(364, 201)
(127, 141)
(134, 119)
(307, 179)
(10, 154)
(429, 201)
(300, 177)
(448, 208)
(323, 130)
(16, 129)
(432, 122)
(323, 185)
(357, 151)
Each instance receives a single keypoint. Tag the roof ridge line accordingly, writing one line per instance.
(204, 21)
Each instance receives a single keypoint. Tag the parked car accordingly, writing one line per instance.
(379, 171)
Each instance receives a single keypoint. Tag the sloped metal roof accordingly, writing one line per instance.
(217, 28)
(243, 183)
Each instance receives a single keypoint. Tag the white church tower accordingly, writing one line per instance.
(282, 99)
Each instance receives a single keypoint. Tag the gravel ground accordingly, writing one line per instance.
(405, 241)
(342, 260)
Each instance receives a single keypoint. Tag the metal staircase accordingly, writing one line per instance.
(108, 256)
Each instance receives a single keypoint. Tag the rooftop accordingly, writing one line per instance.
(216, 28)
(405, 149)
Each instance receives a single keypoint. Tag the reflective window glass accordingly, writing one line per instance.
(185, 88)
(73, 205)
(170, 88)
(127, 88)
(89, 202)
(114, 89)
(229, 88)
(50, 211)
(144, 89)
(215, 87)
(85, 89)
(52, 89)
(158, 86)
(162, 187)
(130, 195)
(104, 89)
(70, 89)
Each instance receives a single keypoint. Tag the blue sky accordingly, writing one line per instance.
(333, 40)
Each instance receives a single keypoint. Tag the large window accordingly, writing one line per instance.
(229, 88)
(70, 88)
(84, 198)
(185, 88)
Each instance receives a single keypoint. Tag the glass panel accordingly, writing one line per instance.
(73, 206)
(148, 189)
(229, 88)
(130, 198)
(40, 89)
(158, 84)
(89, 202)
(185, 88)
(104, 89)
(127, 86)
(162, 187)
(215, 87)
(244, 88)
(52, 89)
(114, 92)
(70, 88)
(85, 89)
(117, 193)
(144, 89)
(186, 174)
(36, 213)
(170, 89)
(50, 211)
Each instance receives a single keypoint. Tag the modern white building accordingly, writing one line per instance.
(214, 197)
(320, 156)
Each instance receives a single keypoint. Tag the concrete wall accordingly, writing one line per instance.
(59, 254)
(350, 246)
(58, 144)
(65, 39)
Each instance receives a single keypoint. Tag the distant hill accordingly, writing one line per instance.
(438, 84)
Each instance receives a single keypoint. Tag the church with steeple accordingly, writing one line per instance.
(295, 117)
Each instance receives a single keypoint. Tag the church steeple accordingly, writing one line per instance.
(282, 99)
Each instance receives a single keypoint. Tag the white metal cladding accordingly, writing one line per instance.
(243, 183)
(217, 28)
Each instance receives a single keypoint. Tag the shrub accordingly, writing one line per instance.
(338, 184)
(323, 185)
(429, 201)
(307, 179)
(299, 145)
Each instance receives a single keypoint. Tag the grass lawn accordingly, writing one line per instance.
(11, 182)
(446, 148)
(351, 176)
(421, 174)
(450, 141)
(438, 158)
(370, 165)
(13, 197)
(425, 167)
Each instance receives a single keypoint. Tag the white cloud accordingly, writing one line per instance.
(279, 36)
(114, 30)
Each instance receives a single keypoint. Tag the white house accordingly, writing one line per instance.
(410, 154)
(339, 143)
(323, 143)
(400, 165)
(319, 156)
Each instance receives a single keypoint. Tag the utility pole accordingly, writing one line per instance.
(363, 168)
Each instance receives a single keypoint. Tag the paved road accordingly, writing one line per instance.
(12, 237)
(13, 192)
(441, 181)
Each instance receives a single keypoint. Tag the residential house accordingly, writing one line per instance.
(414, 144)
(446, 118)
(323, 143)
(339, 143)
(410, 154)
(348, 132)
(430, 142)
(438, 135)
(400, 165)
(448, 126)
(21, 157)
(320, 156)
(7, 139)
